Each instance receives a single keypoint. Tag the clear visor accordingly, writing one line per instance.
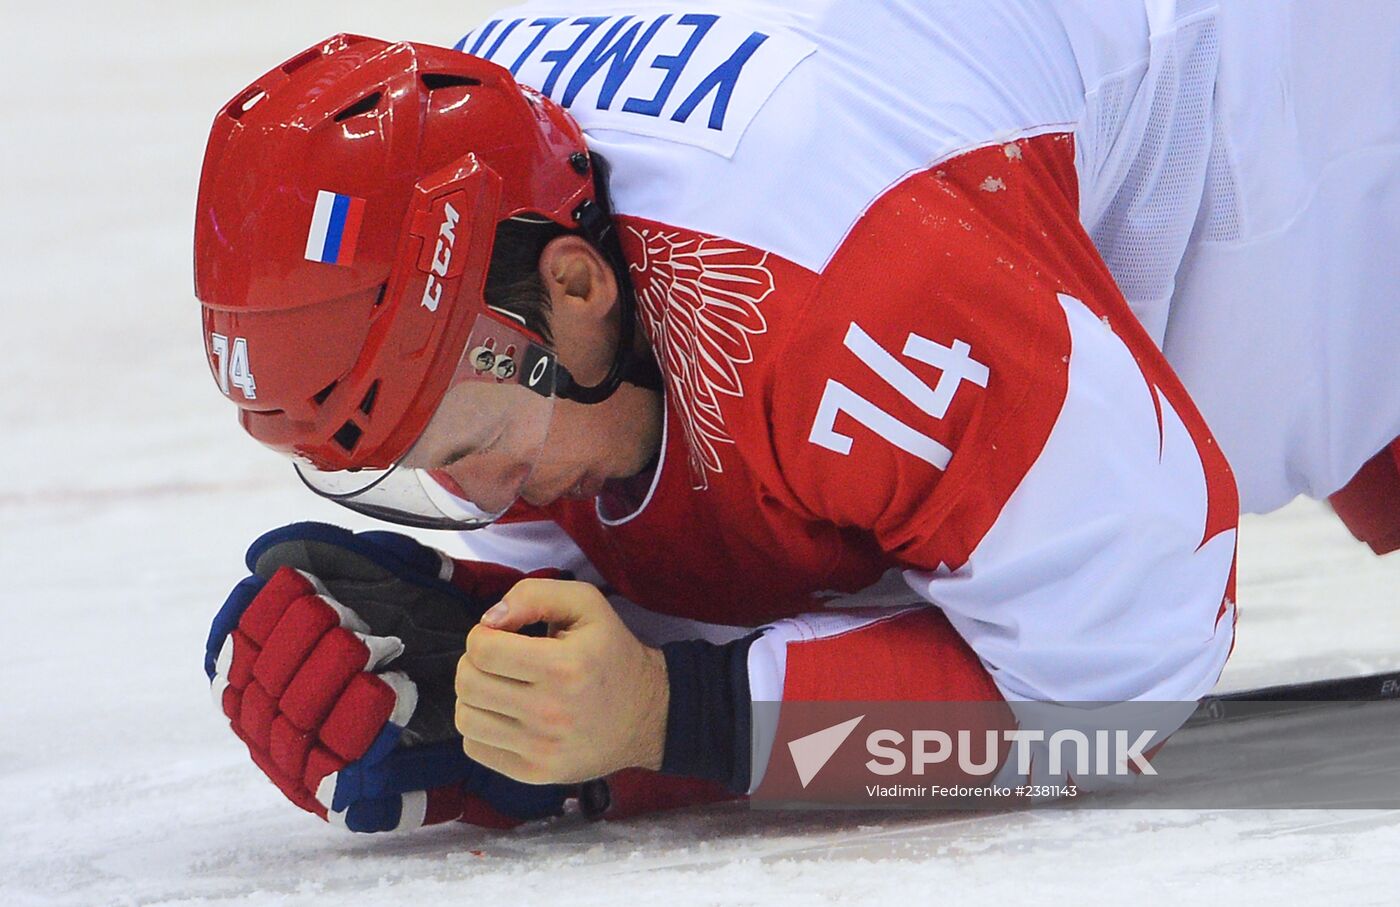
(471, 463)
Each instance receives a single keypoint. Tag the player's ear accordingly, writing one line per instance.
(578, 279)
(583, 301)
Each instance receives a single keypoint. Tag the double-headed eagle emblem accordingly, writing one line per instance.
(700, 298)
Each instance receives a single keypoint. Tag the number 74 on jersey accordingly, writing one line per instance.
(957, 367)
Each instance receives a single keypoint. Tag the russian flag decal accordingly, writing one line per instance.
(335, 227)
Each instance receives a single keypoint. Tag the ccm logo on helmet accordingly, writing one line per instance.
(442, 257)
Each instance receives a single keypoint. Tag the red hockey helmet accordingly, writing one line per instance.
(347, 210)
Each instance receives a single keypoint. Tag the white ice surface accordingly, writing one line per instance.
(127, 494)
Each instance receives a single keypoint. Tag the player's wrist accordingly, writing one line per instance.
(708, 714)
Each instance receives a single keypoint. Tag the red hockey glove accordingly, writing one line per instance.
(334, 663)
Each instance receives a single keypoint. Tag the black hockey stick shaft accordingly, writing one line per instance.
(1296, 697)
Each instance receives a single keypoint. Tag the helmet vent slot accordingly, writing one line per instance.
(301, 60)
(435, 80)
(363, 105)
(348, 436)
(324, 392)
(367, 404)
(245, 102)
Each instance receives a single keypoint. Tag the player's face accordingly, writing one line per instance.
(479, 442)
(492, 442)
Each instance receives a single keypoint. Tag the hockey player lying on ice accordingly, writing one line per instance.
(752, 317)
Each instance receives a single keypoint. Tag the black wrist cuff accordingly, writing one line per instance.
(709, 720)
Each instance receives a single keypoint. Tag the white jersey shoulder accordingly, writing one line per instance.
(700, 106)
